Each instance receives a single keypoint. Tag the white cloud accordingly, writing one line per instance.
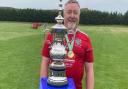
(108, 5)
(104, 5)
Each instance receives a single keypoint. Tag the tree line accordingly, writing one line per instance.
(87, 16)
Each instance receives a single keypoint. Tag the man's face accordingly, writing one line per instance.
(71, 16)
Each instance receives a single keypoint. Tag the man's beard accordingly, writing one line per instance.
(71, 26)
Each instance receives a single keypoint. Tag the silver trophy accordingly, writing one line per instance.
(57, 75)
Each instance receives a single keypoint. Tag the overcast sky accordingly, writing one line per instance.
(102, 5)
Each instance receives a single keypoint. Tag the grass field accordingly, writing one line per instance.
(20, 57)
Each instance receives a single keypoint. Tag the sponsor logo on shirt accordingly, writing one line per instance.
(68, 62)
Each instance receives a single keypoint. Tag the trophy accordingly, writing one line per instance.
(57, 76)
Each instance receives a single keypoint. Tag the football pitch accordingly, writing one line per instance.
(20, 55)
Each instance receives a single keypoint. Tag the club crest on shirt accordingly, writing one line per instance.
(78, 42)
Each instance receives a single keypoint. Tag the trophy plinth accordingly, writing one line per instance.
(58, 78)
(44, 85)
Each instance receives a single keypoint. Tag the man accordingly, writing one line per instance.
(82, 49)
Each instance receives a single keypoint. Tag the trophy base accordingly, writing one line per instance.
(57, 81)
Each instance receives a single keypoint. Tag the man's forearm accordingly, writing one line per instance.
(43, 72)
(90, 80)
(44, 67)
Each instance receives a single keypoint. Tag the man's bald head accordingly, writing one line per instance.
(72, 1)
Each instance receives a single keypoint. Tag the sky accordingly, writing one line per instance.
(102, 5)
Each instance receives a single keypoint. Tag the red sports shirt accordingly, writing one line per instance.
(83, 53)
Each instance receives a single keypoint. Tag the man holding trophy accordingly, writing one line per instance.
(78, 53)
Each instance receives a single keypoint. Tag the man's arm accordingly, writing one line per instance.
(89, 75)
(44, 67)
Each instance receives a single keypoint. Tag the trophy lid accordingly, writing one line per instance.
(59, 19)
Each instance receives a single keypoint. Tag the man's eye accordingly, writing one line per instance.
(69, 12)
(75, 12)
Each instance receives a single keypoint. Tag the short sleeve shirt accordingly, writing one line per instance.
(83, 51)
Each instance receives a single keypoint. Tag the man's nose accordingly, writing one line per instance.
(72, 15)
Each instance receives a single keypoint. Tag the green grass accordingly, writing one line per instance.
(111, 58)
(20, 58)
